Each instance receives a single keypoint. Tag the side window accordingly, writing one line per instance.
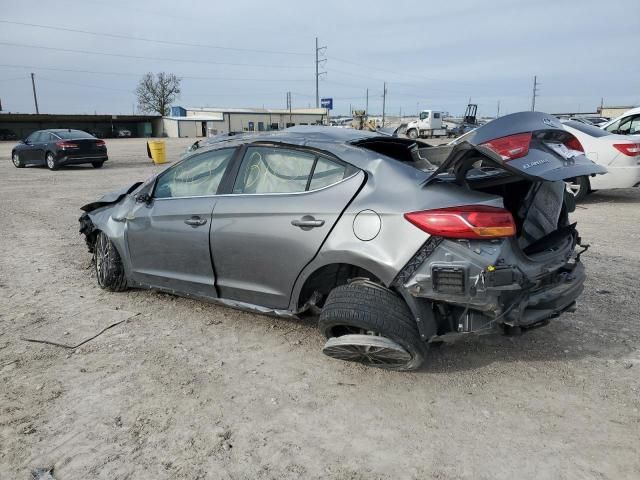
(196, 176)
(613, 127)
(273, 170)
(436, 114)
(635, 125)
(326, 173)
(32, 138)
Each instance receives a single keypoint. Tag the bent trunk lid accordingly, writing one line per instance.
(547, 159)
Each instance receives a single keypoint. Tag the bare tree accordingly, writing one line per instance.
(156, 93)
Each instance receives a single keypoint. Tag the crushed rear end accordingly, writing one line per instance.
(514, 266)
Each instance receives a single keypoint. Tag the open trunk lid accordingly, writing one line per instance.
(532, 145)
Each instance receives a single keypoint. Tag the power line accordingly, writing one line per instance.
(143, 73)
(151, 40)
(140, 57)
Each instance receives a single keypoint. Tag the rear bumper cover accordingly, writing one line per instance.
(67, 159)
(487, 284)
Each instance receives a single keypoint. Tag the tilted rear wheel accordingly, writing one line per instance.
(108, 265)
(370, 324)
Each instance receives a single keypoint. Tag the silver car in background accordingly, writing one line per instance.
(393, 242)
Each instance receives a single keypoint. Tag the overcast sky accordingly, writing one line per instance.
(432, 54)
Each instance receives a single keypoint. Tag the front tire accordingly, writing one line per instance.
(412, 134)
(97, 164)
(17, 162)
(108, 265)
(579, 187)
(359, 309)
(52, 164)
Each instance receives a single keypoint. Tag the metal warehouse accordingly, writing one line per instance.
(208, 121)
(103, 126)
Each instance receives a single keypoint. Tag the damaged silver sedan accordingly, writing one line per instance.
(393, 242)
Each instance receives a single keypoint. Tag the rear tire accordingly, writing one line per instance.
(579, 187)
(97, 164)
(51, 161)
(108, 265)
(17, 162)
(362, 309)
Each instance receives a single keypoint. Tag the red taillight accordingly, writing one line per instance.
(63, 144)
(100, 143)
(629, 149)
(511, 147)
(574, 144)
(471, 221)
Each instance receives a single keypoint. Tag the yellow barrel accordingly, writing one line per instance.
(156, 151)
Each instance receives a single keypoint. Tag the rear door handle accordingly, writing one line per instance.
(307, 222)
(195, 221)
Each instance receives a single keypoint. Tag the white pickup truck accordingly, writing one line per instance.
(429, 124)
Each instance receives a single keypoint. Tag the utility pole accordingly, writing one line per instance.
(35, 97)
(534, 93)
(289, 105)
(366, 108)
(384, 102)
(318, 72)
(498, 113)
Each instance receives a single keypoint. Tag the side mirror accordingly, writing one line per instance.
(143, 198)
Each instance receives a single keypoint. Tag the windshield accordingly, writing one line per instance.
(73, 134)
(588, 129)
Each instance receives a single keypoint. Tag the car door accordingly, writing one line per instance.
(28, 150)
(40, 145)
(168, 236)
(284, 202)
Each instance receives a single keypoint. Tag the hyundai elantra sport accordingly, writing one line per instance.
(394, 243)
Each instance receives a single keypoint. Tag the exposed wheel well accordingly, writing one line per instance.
(326, 278)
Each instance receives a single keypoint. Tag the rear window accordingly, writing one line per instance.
(588, 129)
(73, 134)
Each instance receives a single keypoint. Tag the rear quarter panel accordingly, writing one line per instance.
(391, 190)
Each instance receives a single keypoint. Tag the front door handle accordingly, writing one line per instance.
(195, 221)
(307, 222)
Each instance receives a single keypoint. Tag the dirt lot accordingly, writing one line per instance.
(190, 390)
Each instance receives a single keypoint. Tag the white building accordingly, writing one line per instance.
(208, 121)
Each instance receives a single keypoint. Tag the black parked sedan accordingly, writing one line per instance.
(55, 148)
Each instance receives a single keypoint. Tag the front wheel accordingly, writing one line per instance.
(97, 164)
(108, 265)
(412, 134)
(579, 187)
(370, 324)
(17, 161)
(51, 161)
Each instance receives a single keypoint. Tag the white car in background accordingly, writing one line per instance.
(619, 153)
(626, 124)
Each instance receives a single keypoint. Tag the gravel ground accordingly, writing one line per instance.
(187, 390)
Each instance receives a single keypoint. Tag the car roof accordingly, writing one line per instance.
(336, 141)
(633, 111)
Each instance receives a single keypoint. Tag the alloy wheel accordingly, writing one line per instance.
(102, 259)
(51, 162)
(369, 349)
(16, 159)
(574, 187)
